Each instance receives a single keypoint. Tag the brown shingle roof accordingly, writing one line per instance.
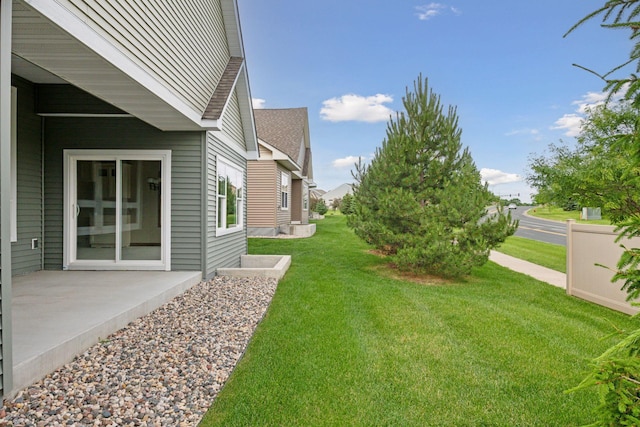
(284, 129)
(223, 90)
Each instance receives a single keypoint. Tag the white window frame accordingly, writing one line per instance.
(14, 164)
(221, 199)
(70, 261)
(284, 195)
(305, 196)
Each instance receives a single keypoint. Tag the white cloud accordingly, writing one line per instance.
(525, 131)
(428, 11)
(352, 107)
(345, 162)
(495, 176)
(572, 123)
(590, 100)
(258, 103)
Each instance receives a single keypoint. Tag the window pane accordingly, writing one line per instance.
(230, 196)
(231, 203)
(141, 209)
(95, 211)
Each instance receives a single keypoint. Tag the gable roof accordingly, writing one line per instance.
(287, 130)
(338, 192)
(169, 95)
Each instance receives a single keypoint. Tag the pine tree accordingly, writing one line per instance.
(421, 199)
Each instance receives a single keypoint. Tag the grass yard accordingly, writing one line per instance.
(541, 253)
(345, 343)
(558, 214)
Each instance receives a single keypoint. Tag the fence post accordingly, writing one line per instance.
(569, 261)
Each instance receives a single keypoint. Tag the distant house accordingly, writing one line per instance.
(279, 180)
(124, 137)
(337, 193)
(316, 193)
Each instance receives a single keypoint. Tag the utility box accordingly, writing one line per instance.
(591, 213)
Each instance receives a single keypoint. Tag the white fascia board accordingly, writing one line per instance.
(75, 27)
(231, 19)
(212, 125)
(246, 109)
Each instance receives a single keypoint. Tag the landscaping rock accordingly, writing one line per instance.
(164, 369)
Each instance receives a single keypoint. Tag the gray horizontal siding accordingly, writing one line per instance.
(232, 122)
(124, 133)
(222, 251)
(182, 44)
(29, 131)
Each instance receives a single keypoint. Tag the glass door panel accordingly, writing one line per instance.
(141, 210)
(96, 210)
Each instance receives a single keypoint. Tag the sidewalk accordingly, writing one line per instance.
(543, 274)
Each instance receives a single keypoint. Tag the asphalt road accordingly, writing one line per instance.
(539, 229)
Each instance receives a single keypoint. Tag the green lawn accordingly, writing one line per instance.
(545, 254)
(345, 344)
(558, 214)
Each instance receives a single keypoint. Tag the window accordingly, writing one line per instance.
(305, 197)
(117, 209)
(14, 164)
(284, 191)
(230, 198)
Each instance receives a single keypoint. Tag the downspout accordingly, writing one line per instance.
(5, 195)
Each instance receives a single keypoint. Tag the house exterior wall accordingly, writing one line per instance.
(182, 44)
(232, 125)
(222, 251)
(283, 216)
(262, 198)
(29, 203)
(296, 200)
(127, 133)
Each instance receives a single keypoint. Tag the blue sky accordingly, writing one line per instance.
(503, 64)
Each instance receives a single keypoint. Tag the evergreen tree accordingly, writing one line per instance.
(346, 205)
(320, 207)
(421, 199)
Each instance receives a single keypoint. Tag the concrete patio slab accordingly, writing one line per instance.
(59, 314)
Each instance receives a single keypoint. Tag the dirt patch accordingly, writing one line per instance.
(391, 271)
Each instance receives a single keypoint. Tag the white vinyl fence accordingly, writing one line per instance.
(588, 245)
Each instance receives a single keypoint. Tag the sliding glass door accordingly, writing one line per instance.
(117, 209)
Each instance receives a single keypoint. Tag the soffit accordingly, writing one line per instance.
(40, 42)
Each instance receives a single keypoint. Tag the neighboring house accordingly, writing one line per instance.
(336, 193)
(125, 132)
(316, 193)
(279, 180)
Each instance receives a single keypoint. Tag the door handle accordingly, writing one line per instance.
(77, 210)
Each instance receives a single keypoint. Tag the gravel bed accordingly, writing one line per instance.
(163, 369)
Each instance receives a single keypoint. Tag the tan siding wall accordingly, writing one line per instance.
(182, 44)
(283, 216)
(261, 195)
(296, 200)
(264, 153)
